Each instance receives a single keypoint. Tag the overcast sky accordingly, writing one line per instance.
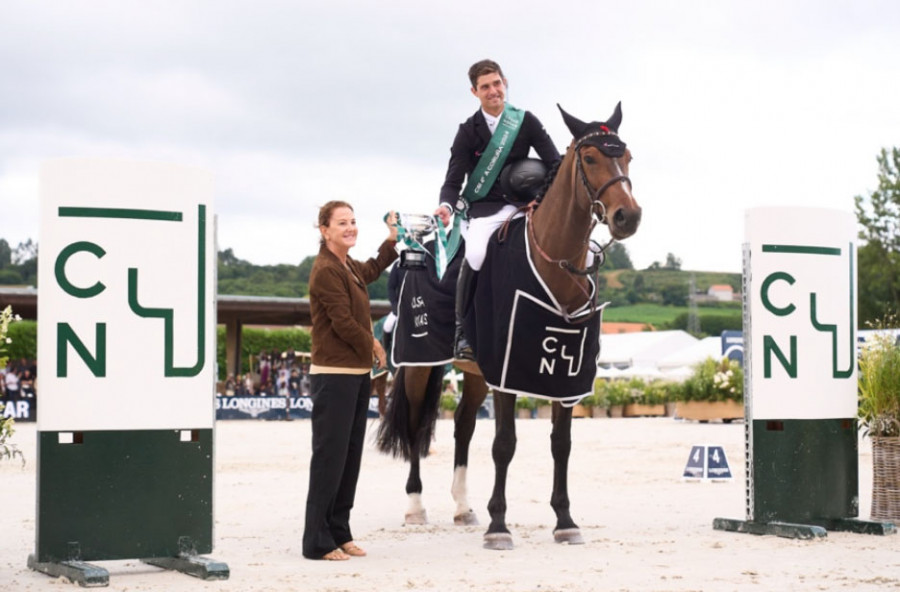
(727, 105)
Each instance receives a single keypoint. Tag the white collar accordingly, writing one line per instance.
(491, 120)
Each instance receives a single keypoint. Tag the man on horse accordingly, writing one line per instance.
(478, 157)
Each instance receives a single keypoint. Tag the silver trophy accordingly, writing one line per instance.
(417, 227)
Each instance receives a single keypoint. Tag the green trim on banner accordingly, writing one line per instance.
(168, 315)
(800, 250)
(119, 213)
(491, 162)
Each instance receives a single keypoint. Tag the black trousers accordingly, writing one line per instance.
(340, 403)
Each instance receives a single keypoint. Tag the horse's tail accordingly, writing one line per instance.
(395, 435)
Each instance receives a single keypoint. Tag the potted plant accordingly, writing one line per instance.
(596, 402)
(646, 399)
(714, 391)
(879, 417)
(543, 408)
(525, 407)
(7, 450)
(448, 405)
(618, 394)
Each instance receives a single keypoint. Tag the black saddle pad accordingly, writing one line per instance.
(425, 314)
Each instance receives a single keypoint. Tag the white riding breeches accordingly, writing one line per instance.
(478, 231)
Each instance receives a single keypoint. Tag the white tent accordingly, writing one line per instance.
(708, 347)
(611, 372)
(646, 348)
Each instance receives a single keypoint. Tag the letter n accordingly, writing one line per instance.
(548, 365)
(65, 335)
(770, 347)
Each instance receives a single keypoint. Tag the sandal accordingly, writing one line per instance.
(353, 550)
(336, 555)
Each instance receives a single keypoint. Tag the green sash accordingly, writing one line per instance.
(488, 167)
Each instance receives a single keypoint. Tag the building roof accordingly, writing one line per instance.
(248, 310)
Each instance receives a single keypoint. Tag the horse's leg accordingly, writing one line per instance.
(473, 394)
(566, 530)
(498, 536)
(416, 379)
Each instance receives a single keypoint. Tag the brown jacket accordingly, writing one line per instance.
(339, 305)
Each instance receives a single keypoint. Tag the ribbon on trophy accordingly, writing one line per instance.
(413, 228)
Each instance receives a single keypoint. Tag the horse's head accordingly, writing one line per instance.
(601, 159)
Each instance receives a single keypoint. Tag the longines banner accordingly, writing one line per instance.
(802, 295)
(127, 296)
(272, 408)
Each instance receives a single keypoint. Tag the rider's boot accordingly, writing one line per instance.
(465, 288)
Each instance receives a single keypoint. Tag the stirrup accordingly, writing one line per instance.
(462, 350)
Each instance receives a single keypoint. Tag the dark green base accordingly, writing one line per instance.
(79, 572)
(805, 531)
(111, 495)
(193, 565)
(803, 471)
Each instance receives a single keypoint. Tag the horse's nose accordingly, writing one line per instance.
(626, 221)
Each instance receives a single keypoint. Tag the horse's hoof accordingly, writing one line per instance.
(498, 541)
(466, 519)
(415, 518)
(571, 536)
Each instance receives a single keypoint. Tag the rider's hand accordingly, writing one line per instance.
(443, 212)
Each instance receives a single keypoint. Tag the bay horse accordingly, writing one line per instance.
(590, 186)
(408, 420)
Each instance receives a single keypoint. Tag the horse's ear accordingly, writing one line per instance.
(575, 125)
(616, 119)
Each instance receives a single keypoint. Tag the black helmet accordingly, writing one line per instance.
(521, 181)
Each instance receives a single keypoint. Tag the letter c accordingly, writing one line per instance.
(547, 348)
(764, 293)
(60, 269)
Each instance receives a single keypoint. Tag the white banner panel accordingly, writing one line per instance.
(126, 312)
(801, 293)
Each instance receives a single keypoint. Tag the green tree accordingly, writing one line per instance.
(672, 262)
(617, 257)
(878, 215)
(5, 254)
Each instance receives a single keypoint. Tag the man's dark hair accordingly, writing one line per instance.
(484, 67)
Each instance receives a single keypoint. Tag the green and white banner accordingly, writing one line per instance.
(127, 296)
(801, 295)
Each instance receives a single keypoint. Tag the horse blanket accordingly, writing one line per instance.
(523, 342)
(423, 335)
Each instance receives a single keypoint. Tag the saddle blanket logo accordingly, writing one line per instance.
(425, 317)
(546, 355)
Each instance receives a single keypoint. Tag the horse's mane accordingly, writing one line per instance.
(550, 177)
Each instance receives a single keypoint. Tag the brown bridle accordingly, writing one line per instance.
(598, 214)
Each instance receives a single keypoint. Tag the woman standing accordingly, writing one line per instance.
(343, 347)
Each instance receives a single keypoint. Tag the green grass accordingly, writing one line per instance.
(653, 314)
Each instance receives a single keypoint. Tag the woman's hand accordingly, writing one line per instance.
(380, 356)
(391, 222)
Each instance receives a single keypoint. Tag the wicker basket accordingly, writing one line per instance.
(886, 478)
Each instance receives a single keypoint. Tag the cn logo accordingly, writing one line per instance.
(563, 347)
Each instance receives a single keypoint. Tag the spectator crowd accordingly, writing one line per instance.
(273, 373)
